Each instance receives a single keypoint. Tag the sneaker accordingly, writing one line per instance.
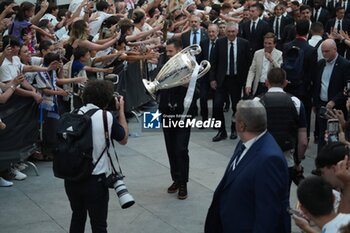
(182, 194)
(21, 166)
(15, 174)
(5, 183)
(173, 188)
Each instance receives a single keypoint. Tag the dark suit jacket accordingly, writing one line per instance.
(204, 55)
(254, 197)
(185, 38)
(310, 64)
(339, 77)
(256, 41)
(341, 47)
(331, 24)
(323, 17)
(283, 23)
(219, 62)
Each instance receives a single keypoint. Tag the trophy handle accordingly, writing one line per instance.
(204, 68)
(192, 49)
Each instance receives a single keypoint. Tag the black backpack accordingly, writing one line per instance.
(73, 153)
(282, 119)
(293, 65)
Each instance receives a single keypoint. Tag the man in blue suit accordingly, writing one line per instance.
(253, 195)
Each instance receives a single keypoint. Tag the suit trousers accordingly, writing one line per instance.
(230, 86)
(88, 196)
(176, 142)
(204, 89)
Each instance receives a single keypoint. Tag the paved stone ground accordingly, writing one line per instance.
(39, 204)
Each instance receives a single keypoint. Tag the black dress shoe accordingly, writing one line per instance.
(220, 136)
(173, 188)
(182, 194)
(233, 135)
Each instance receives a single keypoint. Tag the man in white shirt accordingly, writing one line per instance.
(316, 199)
(102, 8)
(316, 38)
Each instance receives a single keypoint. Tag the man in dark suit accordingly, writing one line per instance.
(320, 14)
(289, 33)
(346, 5)
(332, 76)
(176, 138)
(337, 24)
(228, 74)
(196, 34)
(253, 195)
(208, 47)
(255, 29)
(302, 90)
(278, 23)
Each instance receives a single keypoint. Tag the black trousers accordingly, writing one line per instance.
(230, 86)
(88, 196)
(176, 142)
(204, 89)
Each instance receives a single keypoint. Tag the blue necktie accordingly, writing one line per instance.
(194, 41)
(236, 156)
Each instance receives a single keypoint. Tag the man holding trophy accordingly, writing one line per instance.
(175, 85)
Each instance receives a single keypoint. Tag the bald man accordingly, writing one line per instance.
(332, 76)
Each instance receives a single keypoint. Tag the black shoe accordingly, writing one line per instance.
(233, 135)
(182, 194)
(220, 136)
(173, 188)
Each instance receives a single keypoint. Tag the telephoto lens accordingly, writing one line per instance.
(125, 198)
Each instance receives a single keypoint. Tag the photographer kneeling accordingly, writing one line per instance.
(91, 195)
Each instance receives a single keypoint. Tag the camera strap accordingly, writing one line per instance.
(108, 141)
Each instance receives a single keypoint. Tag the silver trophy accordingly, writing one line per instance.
(178, 70)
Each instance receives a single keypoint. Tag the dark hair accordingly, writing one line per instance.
(137, 16)
(50, 57)
(125, 24)
(102, 5)
(176, 42)
(339, 8)
(80, 52)
(276, 76)
(52, 7)
(305, 7)
(13, 41)
(110, 21)
(317, 27)
(61, 13)
(295, 3)
(330, 154)
(259, 6)
(302, 27)
(152, 11)
(98, 92)
(271, 35)
(43, 24)
(44, 45)
(4, 4)
(316, 196)
(25, 6)
(226, 5)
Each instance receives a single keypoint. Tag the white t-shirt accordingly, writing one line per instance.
(98, 139)
(334, 225)
(30, 76)
(9, 70)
